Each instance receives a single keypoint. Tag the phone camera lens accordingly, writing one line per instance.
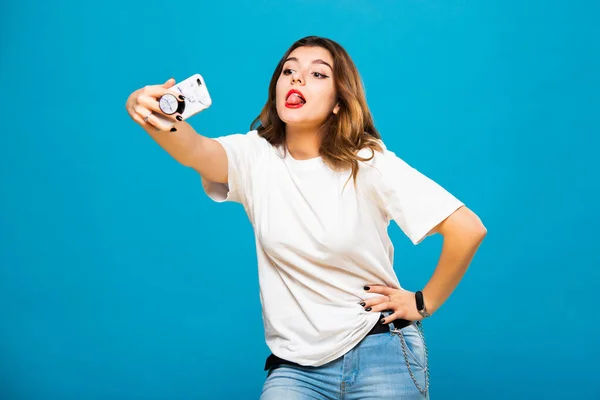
(199, 82)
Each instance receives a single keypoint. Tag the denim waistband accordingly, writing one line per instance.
(272, 360)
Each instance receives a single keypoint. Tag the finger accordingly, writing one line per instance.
(146, 125)
(138, 114)
(152, 104)
(142, 116)
(158, 90)
(396, 315)
(382, 307)
(374, 301)
(386, 290)
(169, 83)
(147, 118)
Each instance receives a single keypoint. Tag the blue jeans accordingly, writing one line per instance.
(377, 368)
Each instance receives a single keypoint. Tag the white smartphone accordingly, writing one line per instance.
(196, 97)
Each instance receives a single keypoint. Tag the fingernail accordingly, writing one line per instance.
(173, 129)
(363, 304)
(368, 309)
(181, 97)
(382, 320)
(179, 118)
(367, 288)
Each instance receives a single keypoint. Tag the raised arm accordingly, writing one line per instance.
(182, 142)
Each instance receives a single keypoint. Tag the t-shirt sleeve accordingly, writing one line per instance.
(243, 151)
(414, 201)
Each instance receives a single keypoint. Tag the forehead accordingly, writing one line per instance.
(308, 54)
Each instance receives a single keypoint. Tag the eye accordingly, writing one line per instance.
(287, 71)
(319, 75)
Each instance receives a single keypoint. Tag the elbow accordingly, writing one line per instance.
(469, 227)
(476, 230)
(480, 233)
(483, 230)
(477, 227)
(465, 226)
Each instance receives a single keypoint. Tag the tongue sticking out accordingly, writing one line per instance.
(295, 99)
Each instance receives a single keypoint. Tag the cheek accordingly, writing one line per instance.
(327, 99)
(279, 89)
(332, 96)
(327, 93)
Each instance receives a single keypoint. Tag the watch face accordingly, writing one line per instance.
(168, 104)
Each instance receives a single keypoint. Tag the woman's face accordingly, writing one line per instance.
(305, 91)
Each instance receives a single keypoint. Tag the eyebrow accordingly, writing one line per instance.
(317, 61)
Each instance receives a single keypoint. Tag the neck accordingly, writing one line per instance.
(302, 143)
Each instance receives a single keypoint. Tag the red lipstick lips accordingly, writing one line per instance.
(294, 99)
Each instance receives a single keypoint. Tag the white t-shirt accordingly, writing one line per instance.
(319, 243)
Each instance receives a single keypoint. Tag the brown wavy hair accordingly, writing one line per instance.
(343, 134)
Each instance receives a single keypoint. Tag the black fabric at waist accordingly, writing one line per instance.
(273, 360)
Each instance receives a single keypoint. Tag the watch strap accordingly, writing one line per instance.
(420, 301)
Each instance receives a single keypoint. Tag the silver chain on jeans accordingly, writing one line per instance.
(402, 341)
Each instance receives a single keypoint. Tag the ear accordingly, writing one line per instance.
(336, 109)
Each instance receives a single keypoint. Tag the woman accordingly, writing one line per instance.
(320, 188)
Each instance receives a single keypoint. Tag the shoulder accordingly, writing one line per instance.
(383, 171)
(379, 161)
(248, 137)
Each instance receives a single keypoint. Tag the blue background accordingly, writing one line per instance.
(120, 279)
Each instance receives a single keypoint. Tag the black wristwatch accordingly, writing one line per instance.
(421, 304)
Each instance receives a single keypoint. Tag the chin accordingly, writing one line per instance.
(298, 117)
(291, 116)
(292, 120)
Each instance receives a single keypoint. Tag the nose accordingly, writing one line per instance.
(297, 78)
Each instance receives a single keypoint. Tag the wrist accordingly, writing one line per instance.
(421, 304)
(430, 301)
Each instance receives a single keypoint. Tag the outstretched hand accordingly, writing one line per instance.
(400, 301)
(143, 103)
